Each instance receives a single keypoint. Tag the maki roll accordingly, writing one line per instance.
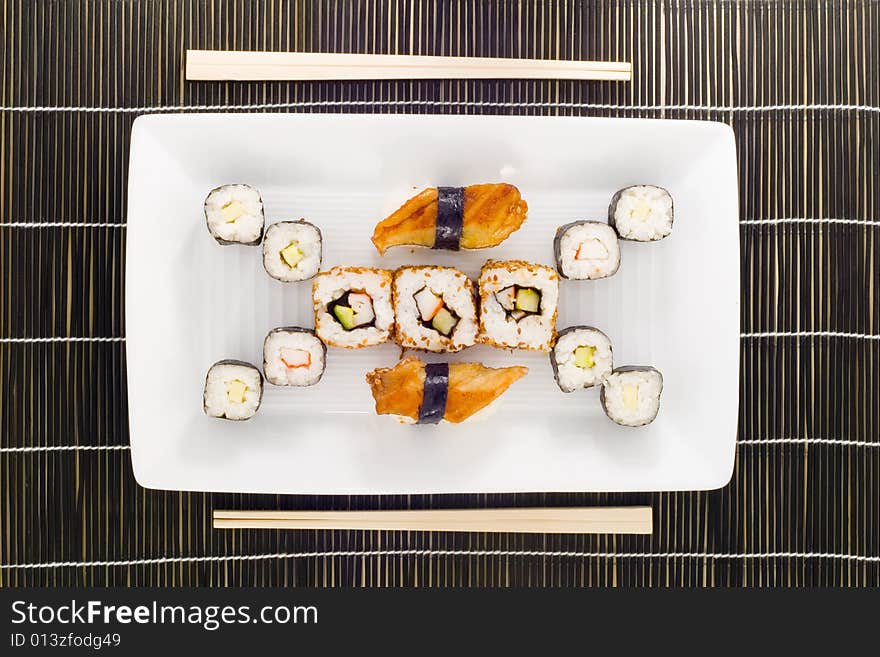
(434, 309)
(422, 393)
(586, 250)
(518, 305)
(631, 395)
(234, 214)
(581, 358)
(353, 306)
(293, 356)
(453, 218)
(642, 213)
(292, 250)
(233, 390)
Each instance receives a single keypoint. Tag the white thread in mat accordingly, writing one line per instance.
(809, 221)
(810, 441)
(768, 441)
(64, 448)
(769, 334)
(450, 103)
(811, 334)
(744, 222)
(64, 338)
(446, 553)
(60, 224)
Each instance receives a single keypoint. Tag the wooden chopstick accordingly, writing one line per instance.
(574, 520)
(248, 65)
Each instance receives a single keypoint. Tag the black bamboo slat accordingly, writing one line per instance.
(797, 80)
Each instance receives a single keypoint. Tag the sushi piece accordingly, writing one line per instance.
(292, 250)
(234, 214)
(233, 390)
(586, 250)
(642, 213)
(630, 395)
(293, 356)
(426, 393)
(518, 304)
(453, 218)
(353, 306)
(434, 309)
(581, 358)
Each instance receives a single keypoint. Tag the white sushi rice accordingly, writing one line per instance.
(642, 213)
(235, 214)
(284, 346)
(570, 376)
(457, 292)
(217, 402)
(588, 250)
(536, 332)
(306, 241)
(331, 284)
(641, 388)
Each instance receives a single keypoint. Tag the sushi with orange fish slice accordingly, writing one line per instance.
(425, 393)
(453, 218)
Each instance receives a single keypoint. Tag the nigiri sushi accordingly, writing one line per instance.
(427, 393)
(473, 217)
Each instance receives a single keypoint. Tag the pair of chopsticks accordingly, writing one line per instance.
(245, 65)
(575, 520)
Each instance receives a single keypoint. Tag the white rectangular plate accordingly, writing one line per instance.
(674, 304)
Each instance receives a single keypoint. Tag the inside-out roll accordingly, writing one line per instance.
(518, 305)
(353, 306)
(434, 309)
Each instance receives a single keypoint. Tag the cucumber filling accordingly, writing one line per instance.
(433, 312)
(353, 310)
(519, 302)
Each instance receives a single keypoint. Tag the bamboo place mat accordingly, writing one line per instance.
(797, 81)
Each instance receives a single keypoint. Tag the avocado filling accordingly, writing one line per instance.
(232, 211)
(235, 391)
(584, 357)
(630, 394)
(519, 302)
(433, 312)
(641, 212)
(291, 254)
(353, 310)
